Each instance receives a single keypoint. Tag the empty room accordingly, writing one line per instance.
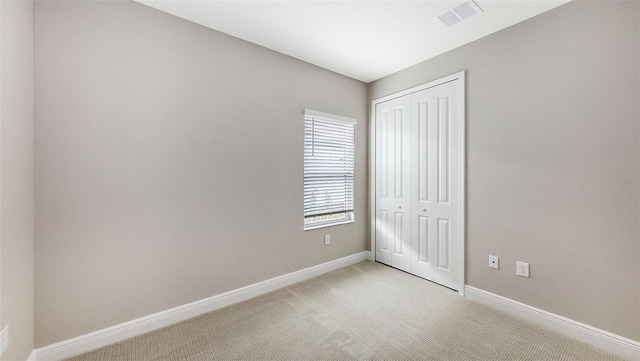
(319, 180)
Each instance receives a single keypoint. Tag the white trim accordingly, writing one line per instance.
(107, 336)
(606, 340)
(331, 117)
(372, 180)
(371, 258)
(33, 356)
(324, 224)
(463, 150)
(463, 175)
(431, 84)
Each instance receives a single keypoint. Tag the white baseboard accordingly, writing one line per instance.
(107, 336)
(32, 356)
(603, 339)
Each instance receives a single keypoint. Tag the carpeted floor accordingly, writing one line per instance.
(364, 312)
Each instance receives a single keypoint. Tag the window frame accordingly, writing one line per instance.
(349, 216)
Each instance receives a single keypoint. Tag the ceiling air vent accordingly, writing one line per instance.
(459, 13)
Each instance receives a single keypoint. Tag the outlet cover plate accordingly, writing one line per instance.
(494, 262)
(522, 269)
(327, 239)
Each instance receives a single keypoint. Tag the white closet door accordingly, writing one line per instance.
(423, 179)
(418, 182)
(393, 223)
(445, 178)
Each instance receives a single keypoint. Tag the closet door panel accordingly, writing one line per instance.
(422, 226)
(393, 228)
(447, 161)
(383, 183)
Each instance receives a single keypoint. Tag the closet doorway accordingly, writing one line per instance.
(417, 190)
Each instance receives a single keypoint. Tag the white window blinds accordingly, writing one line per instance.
(328, 168)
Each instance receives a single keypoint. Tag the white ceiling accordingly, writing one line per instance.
(365, 40)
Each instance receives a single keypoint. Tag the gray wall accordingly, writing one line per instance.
(552, 116)
(16, 176)
(168, 164)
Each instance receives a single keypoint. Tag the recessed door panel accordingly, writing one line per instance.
(399, 142)
(443, 123)
(398, 237)
(383, 232)
(424, 120)
(423, 240)
(384, 153)
(444, 241)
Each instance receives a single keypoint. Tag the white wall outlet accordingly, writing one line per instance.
(522, 269)
(4, 339)
(494, 262)
(327, 239)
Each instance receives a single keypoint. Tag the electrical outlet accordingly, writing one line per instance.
(4, 339)
(327, 239)
(522, 269)
(494, 262)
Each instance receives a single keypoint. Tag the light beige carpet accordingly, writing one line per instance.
(364, 312)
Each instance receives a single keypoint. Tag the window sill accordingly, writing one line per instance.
(316, 226)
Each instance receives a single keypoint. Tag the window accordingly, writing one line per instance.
(328, 169)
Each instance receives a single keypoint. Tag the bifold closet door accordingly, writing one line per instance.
(393, 222)
(423, 157)
(435, 184)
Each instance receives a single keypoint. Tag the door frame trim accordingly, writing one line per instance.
(372, 162)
